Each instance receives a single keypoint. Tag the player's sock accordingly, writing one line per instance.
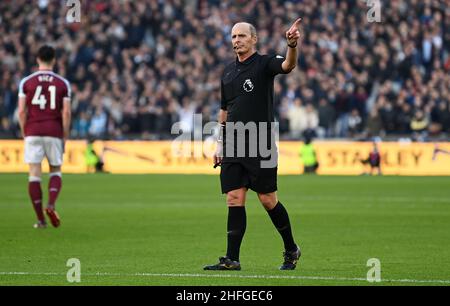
(54, 187)
(35, 192)
(280, 219)
(237, 223)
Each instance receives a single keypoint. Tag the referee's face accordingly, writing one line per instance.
(242, 39)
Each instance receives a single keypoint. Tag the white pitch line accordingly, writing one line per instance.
(324, 278)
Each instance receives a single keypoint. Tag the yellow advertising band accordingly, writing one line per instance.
(335, 158)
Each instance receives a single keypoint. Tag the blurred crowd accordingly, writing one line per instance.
(137, 67)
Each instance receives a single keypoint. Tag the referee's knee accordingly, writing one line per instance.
(236, 198)
(268, 200)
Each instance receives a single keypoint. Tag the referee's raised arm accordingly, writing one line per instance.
(292, 36)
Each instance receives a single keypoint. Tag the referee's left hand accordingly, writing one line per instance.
(293, 34)
(218, 155)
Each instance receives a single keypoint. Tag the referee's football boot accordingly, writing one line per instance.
(291, 259)
(225, 264)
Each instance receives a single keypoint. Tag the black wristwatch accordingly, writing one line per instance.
(292, 46)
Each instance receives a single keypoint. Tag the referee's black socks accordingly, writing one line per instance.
(281, 221)
(237, 223)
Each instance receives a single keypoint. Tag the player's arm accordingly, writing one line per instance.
(66, 117)
(22, 113)
(292, 36)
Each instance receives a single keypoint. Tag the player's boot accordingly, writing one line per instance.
(53, 216)
(225, 264)
(40, 224)
(291, 259)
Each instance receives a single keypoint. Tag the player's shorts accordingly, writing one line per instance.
(249, 174)
(38, 147)
(312, 168)
(375, 164)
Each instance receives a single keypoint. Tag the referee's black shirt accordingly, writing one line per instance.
(247, 89)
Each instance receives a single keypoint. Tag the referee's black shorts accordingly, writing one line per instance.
(247, 173)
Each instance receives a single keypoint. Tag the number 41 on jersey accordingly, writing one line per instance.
(39, 98)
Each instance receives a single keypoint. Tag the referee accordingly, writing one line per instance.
(247, 99)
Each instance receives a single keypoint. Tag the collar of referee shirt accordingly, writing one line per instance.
(248, 60)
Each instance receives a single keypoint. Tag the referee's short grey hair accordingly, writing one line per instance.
(252, 30)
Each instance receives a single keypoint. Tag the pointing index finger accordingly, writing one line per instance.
(297, 22)
(295, 25)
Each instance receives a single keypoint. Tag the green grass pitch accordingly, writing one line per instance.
(162, 229)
